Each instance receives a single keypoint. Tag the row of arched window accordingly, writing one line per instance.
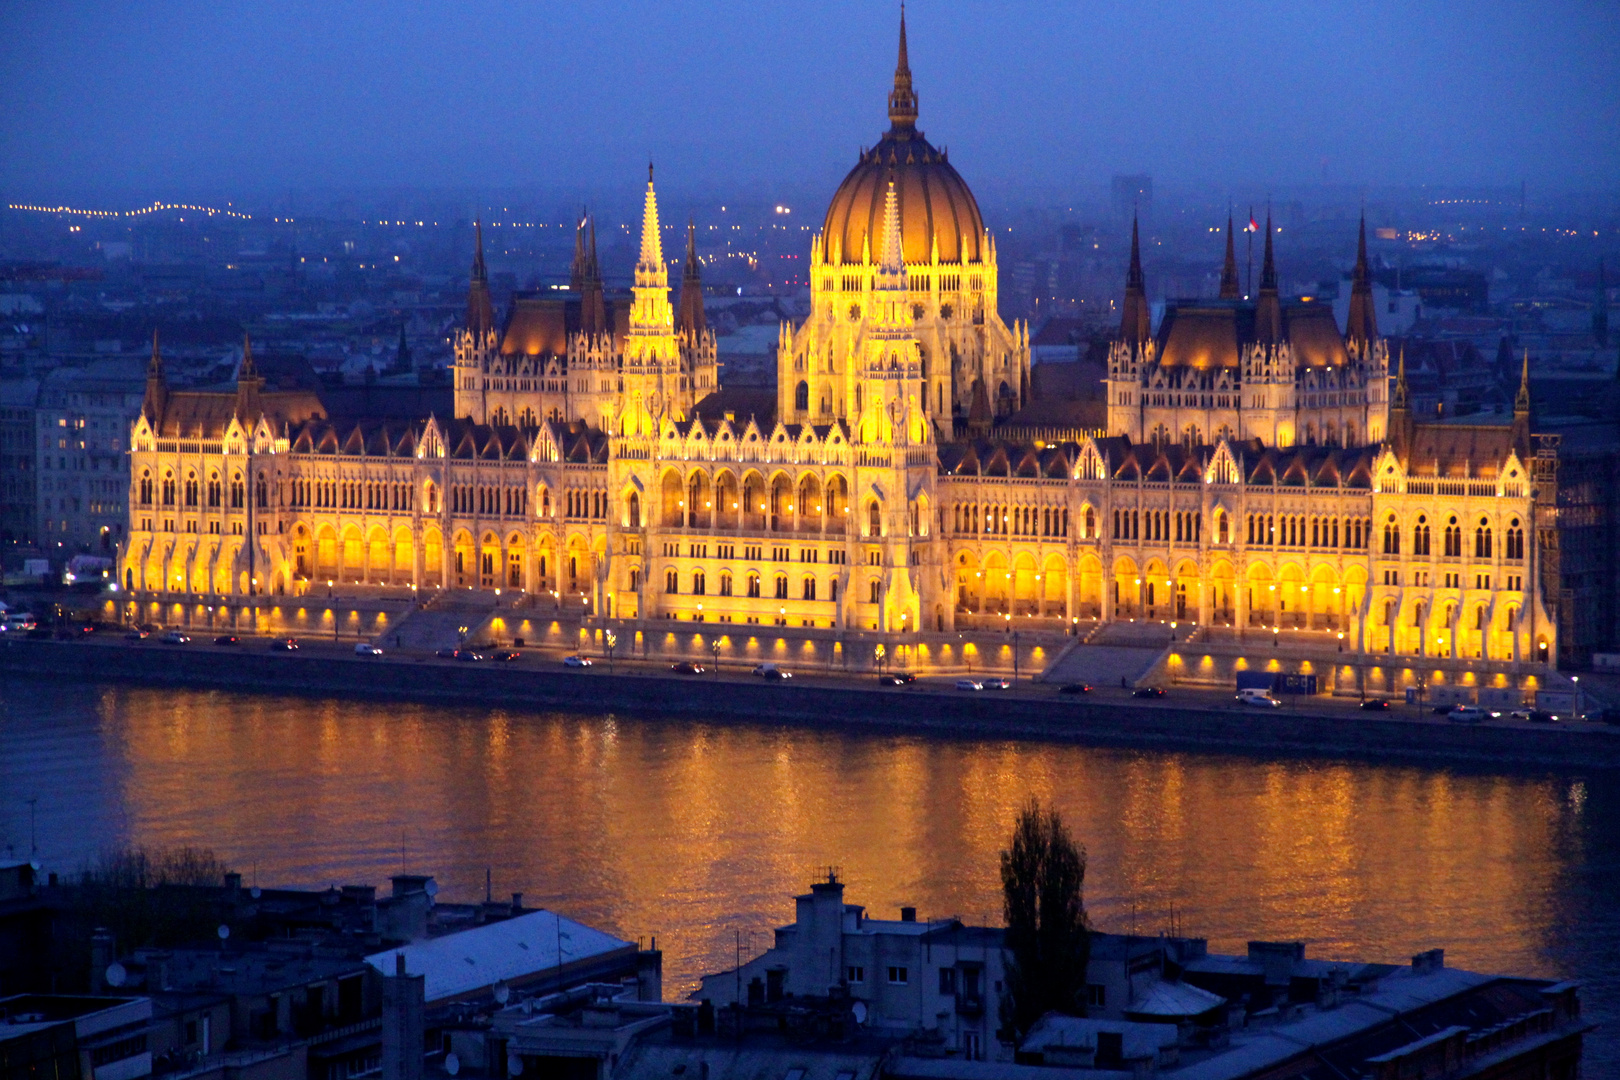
(191, 491)
(996, 520)
(585, 504)
(753, 586)
(1308, 530)
(1454, 538)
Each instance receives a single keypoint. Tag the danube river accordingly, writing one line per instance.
(698, 832)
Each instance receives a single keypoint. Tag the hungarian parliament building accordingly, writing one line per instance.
(1260, 465)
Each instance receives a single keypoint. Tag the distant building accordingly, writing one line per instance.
(63, 1037)
(19, 460)
(82, 420)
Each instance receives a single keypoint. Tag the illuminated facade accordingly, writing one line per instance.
(1256, 473)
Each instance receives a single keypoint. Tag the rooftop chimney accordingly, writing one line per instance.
(908, 914)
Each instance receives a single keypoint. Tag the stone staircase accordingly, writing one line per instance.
(1104, 665)
(439, 624)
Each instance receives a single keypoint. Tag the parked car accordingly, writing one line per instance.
(366, 648)
(1148, 692)
(135, 633)
(1075, 688)
(896, 678)
(997, 684)
(468, 655)
(576, 661)
(969, 684)
(1466, 714)
(284, 645)
(226, 639)
(175, 637)
(686, 667)
(1375, 704)
(505, 656)
(1255, 696)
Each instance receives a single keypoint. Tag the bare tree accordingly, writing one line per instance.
(1048, 942)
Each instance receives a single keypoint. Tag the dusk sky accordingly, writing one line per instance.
(251, 97)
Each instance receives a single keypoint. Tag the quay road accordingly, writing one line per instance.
(1188, 718)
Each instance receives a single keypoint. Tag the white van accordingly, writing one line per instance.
(1251, 695)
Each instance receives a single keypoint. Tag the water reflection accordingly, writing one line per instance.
(689, 831)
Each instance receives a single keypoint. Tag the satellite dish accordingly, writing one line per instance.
(452, 1064)
(116, 974)
(503, 993)
(860, 1012)
(255, 892)
(514, 1065)
(432, 888)
(224, 931)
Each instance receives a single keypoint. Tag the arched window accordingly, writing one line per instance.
(191, 489)
(261, 491)
(809, 588)
(1392, 537)
(753, 586)
(1482, 539)
(1091, 523)
(146, 488)
(672, 582)
(781, 587)
(213, 490)
(1420, 536)
(700, 583)
(1453, 539)
(237, 492)
(1515, 541)
(874, 519)
(801, 396)
(725, 584)
(875, 590)
(1220, 527)
(633, 510)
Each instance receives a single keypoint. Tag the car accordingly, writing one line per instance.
(1259, 698)
(969, 684)
(1442, 710)
(776, 675)
(1466, 714)
(1539, 716)
(446, 654)
(366, 648)
(505, 656)
(468, 655)
(1375, 704)
(284, 645)
(896, 678)
(175, 637)
(135, 633)
(766, 670)
(997, 684)
(1148, 692)
(576, 661)
(1075, 688)
(226, 639)
(686, 667)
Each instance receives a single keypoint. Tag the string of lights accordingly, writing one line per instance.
(156, 207)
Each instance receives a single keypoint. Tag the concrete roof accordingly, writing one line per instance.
(477, 958)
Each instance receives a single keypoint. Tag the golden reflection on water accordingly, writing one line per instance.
(691, 831)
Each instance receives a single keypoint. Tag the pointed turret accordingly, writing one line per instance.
(592, 304)
(248, 385)
(1521, 410)
(1229, 274)
(577, 271)
(689, 318)
(1361, 325)
(1268, 310)
(891, 258)
(480, 312)
(1136, 320)
(902, 99)
(157, 387)
(402, 354)
(1400, 412)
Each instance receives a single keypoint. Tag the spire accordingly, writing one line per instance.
(247, 370)
(1401, 428)
(1399, 400)
(578, 271)
(248, 385)
(592, 305)
(902, 99)
(689, 319)
(652, 244)
(1361, 324)
(1521, 403)
(480, 312)
(157, 389)
(1136, 320)
(891, 258)
(1229, 274)
(1268, 309)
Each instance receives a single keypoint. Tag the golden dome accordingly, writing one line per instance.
(935, 203)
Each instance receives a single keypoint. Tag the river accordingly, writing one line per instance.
(692, 831)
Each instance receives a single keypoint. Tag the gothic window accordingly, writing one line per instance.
(725, 584)
(874, 519)
(633, 511)
(1392, 537)
(875, 590)
(1453, 539)
(781, 587)
(809, 588)
(1482, 539)
(1091, 522)
(753, 586)
(1515, 541)
(1420, 536)
(237, 493)
(672, 582)
(700, 583)
(146, 488)
(191, 489)
(801, 396)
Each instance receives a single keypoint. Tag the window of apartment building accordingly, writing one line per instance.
(899, 976)
(1096, 996)
(855, 974)
(947, 980)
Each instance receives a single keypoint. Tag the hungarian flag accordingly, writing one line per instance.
(1254, 226)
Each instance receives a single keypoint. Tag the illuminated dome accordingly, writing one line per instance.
(935, 203)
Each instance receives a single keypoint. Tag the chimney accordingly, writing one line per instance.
(402, 1023)
(908, 914)
(101, 955)
(233, 885)
(517, 903)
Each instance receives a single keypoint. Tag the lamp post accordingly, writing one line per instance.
(610, 640)
(714, 647)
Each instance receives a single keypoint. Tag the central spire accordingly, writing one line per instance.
(1136, 318)
(1229, 274)
(902, 100)
(891, 259)
(652, 244)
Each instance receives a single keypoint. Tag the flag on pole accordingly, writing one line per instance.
(1254, 226)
